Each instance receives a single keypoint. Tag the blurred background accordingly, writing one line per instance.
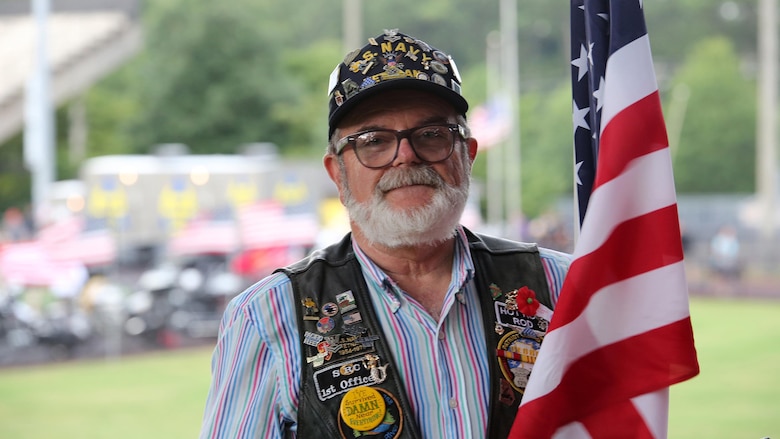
(158, 157)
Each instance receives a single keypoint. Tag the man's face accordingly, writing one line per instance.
(408, 202)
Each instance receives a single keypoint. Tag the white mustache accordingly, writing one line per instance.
(396, 177)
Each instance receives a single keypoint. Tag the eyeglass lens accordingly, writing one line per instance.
(379, 148)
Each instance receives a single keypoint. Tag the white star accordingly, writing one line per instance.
(605, 17)
(590, 53)
(599, 95)
(581, 63)
(578, 116)
(577, 173)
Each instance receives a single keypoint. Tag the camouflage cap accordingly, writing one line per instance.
(392, 60)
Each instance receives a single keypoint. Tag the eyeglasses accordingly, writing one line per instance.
(378, 148)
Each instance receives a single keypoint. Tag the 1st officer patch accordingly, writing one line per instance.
(342, 377)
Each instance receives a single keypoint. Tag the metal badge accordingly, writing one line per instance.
(325, 325)
(309, 309)
(391, 35)
(437, 78)
(330, 309)
(439, 68)
(511, 300)
(411, 54)
(350, 87)
(346, 301)
(339, 98)
(312, 339)
(350, 56)
(368, 341)
(495, 291)
(352, 318)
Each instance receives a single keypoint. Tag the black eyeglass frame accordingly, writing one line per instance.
(345, 141)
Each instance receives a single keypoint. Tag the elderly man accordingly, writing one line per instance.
(411, 326)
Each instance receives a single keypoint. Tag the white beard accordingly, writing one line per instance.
(427, 225)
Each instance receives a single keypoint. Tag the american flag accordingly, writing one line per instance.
(265, 224)
(204, 236)
(60, 248)
(621, 333)
(490, 123)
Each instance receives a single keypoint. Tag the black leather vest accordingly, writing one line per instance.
(344, 348)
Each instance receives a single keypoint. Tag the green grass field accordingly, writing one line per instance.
(737, 395)
(150, 396)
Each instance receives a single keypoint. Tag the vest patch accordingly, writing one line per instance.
(516, 357)
(514, 319)
(339, 378)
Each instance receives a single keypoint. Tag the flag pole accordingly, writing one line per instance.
(511, 85)
(766, 157)
(494, 196)
(352, 14)
(39, 118)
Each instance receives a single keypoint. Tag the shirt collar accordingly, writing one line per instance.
(379, 283)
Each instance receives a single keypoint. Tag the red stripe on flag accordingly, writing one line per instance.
(603, 378)
(632, 133)
(588, 274)
(602, 424)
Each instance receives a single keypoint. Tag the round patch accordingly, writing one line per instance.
(353, 418)
(362, 409)
(325, 325)
(516, 358)
(330, 309)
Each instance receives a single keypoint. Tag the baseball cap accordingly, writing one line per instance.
(392, 60)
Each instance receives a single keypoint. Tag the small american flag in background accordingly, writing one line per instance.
(621, 333)
(490, 122)
(265, 224)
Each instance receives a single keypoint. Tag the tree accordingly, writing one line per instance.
(210, 77)
(717, 142)
(547, 154)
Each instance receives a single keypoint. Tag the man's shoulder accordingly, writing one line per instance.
(336, 254)
(555, 257)
(481, 241)
(264, 289)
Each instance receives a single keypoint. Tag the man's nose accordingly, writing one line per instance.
(406, 153)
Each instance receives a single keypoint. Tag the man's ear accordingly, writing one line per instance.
(331, 163)
(473, 147)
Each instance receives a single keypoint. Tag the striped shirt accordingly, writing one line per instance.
(257, 360)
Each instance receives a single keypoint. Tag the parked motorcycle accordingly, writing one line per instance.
(205, 287)
(149, 307)
(58, 324)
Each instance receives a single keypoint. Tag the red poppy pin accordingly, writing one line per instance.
(523, 300)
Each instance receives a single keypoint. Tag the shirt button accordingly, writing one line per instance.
(441, 335)
(453, 403)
